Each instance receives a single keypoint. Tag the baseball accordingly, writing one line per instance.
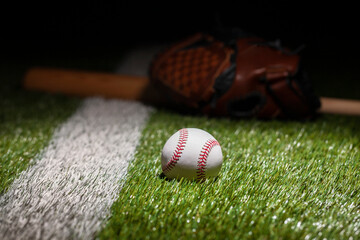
(191, 153)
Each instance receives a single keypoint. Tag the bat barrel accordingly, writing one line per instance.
(82, 83)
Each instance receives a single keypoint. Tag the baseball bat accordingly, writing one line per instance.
(82, 83)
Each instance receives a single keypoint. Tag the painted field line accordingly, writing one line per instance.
(68, 192)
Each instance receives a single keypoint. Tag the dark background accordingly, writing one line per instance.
(87, 35)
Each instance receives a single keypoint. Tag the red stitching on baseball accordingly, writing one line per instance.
(201, 166)
(178, 150)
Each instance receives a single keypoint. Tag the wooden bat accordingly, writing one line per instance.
(82, 83)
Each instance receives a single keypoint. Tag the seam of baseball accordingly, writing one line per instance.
(205, 151)
(178, 150)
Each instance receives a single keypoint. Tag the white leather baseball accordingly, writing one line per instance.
(191, 153)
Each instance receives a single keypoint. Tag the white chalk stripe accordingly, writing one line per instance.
(68, 192)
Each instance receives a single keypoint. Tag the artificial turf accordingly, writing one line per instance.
(25, 130)
(281, 180)
(27, 121)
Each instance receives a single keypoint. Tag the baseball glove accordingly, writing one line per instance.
(238, 76)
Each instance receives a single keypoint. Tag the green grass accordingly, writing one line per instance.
(28, 119)
(27, 122)
(282, 180)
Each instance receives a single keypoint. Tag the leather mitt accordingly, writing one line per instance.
(240, 76)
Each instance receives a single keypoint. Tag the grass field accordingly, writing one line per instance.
(279, 180)
(27, 121)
